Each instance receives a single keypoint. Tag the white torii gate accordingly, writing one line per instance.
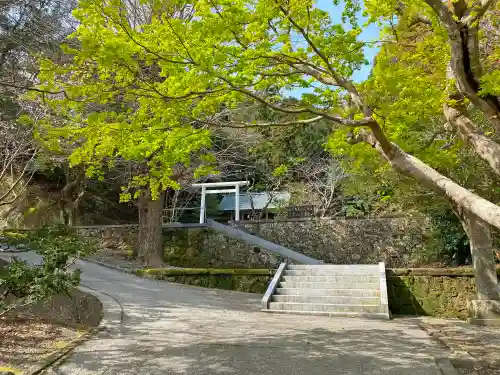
(235, 189)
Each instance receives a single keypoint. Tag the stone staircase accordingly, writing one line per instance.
(335, 290)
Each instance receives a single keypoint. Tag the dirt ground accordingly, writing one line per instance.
(25, 341)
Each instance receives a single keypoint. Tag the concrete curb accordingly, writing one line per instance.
(112, 319)
(55, 356)
(121, 269)
(446, 367)
(112, 310)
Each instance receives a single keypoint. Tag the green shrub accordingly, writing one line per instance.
(22, 284)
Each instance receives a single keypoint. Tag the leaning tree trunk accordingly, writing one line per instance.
(482, 208)
(428, 176)
(150, 251)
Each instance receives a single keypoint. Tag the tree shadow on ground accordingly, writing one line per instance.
(214, 334)
(309, 352)
(177, 329)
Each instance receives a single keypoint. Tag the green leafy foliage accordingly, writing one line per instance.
(148, 92)
(23, 284)
(447, 242)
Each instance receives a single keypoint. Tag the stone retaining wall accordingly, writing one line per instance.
(396, 241)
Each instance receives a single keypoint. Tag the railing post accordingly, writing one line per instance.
(202, 206)
(237, 203)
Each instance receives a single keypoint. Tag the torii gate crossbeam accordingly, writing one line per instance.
(235, 189)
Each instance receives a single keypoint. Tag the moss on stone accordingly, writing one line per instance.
(461, 271)
(441, 296)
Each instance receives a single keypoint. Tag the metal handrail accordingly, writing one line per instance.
(273, 285)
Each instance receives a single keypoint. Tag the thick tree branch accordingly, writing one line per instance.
(31, 88)
(462, 59)
(320, 77)
(484, 147)
(14, 184)
(400, 9)
(366, 121)
(478, 11)
(239, 125)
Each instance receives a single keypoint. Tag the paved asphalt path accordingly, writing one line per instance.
(175, 329)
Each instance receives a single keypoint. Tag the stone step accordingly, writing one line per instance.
(329, 292)
(339, 267)
(323, 307)
(327, 272)
(333, 278)
(330, 300)
(383, 316)
(328, 285)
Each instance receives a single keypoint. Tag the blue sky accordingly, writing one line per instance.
(369, 33)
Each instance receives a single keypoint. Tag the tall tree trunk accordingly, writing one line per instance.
(71, 196)
(150, 251)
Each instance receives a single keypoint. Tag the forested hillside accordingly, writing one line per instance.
(111, 109)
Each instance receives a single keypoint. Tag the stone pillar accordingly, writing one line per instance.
(485, 309)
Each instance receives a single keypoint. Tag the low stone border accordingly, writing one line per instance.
(60, 353)
(112, 319)
(448, 366)
(474, 362)
(457, 350)
(460, 359)
(452, 272)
